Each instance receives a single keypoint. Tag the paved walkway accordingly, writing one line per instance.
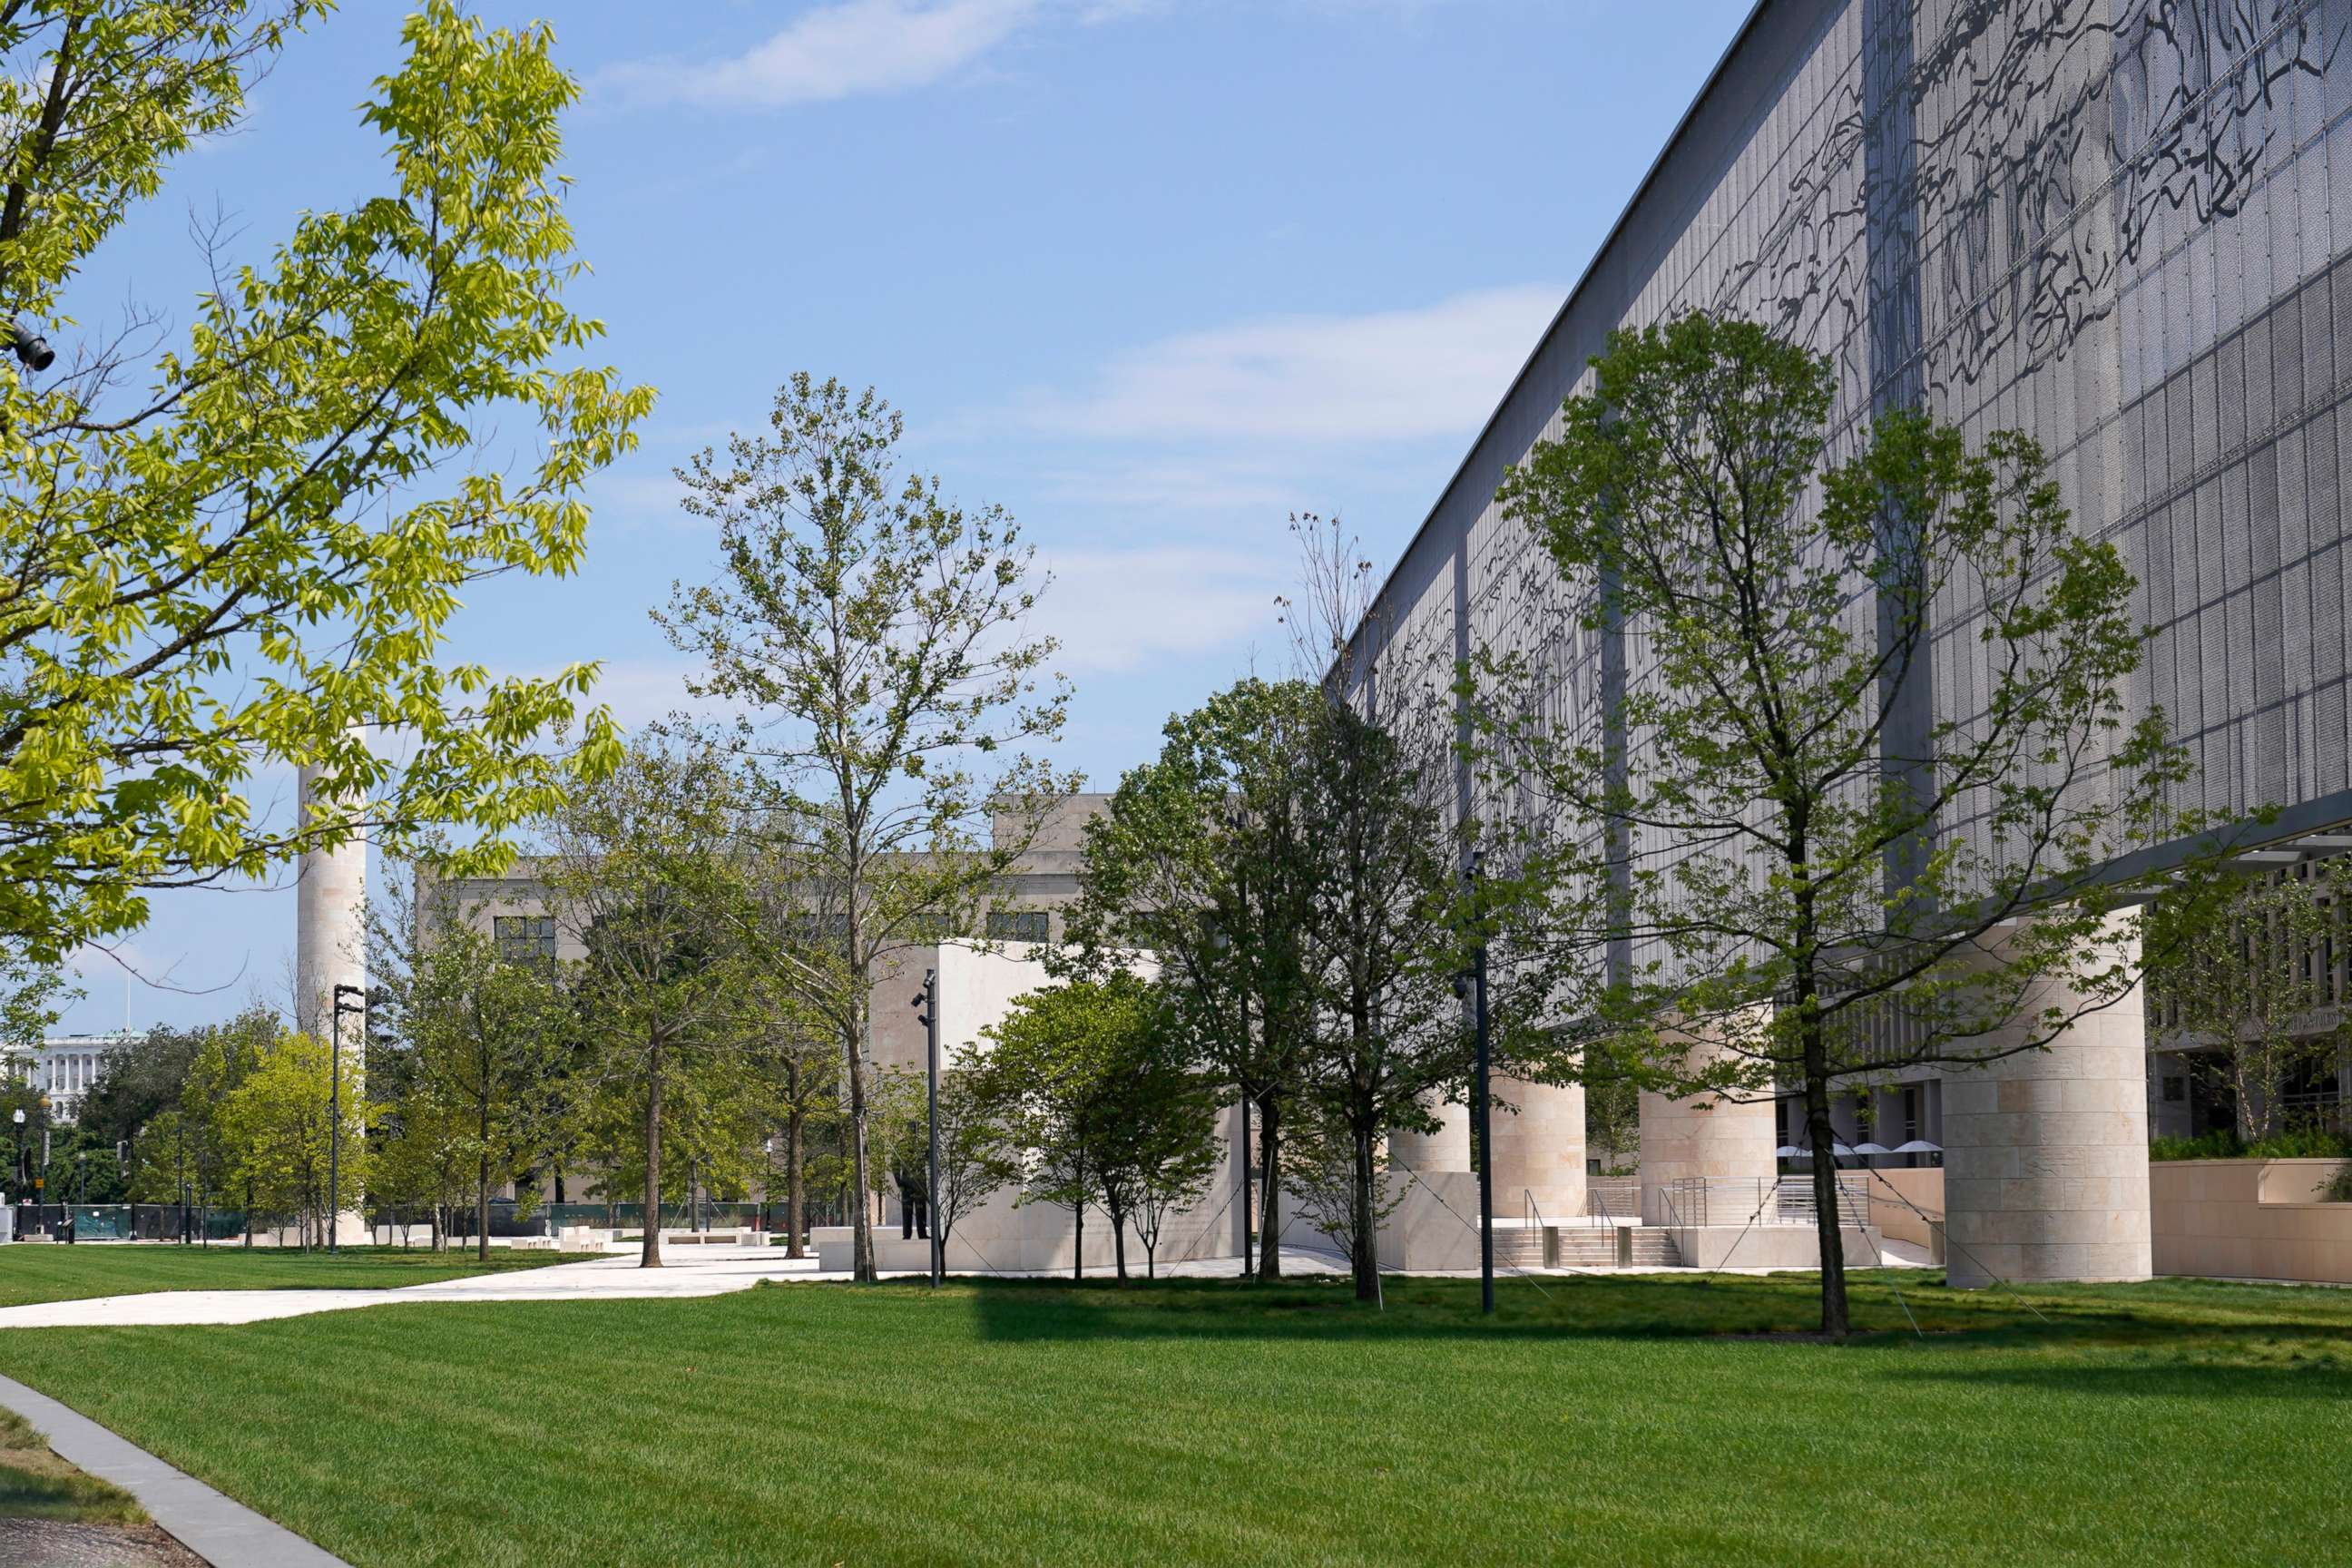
(711, 1271)
(214, 1528)
(685, 1274)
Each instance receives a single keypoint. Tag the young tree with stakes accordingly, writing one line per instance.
(1804, 862)
(873, 637)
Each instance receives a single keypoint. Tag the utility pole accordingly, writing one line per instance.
(1481, 1096)
(335, 1107)
(927, 999)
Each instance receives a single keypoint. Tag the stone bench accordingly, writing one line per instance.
(712, 1238)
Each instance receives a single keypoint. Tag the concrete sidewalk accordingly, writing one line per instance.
(711, 1271)
(220, 1530)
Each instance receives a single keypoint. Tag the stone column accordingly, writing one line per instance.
(1540, 1149)
(1447, 1149)
(330, 950)
(1706, 1136)
(2045, 1153)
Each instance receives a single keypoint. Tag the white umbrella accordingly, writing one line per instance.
(1839, 1151)
(1789, 1152)
(1917, 1146)
(1870, 1148)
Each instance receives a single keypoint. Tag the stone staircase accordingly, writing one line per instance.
(1586, 1246)
(1596, 1247)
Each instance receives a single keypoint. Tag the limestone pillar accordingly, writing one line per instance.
(2045, 1153)
(1540, 1149)
(1707, 1137)
(1447, 1149)
(330, 950)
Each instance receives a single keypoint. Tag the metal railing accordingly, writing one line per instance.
(1613, 1200)
(1789, 1200)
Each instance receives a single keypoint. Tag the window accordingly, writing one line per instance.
(2176, 1088)
(1019, 925)
(524, 939)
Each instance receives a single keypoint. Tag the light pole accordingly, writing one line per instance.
(335, 1107)
(927, 999)
(18, 1153)
(1475, 984)
(1223, 943)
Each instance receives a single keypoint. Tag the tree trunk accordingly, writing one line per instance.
(795, 1198)
(861, 1233)
(1366, 1242)
(1822, 1139)
(1269, 1208)
(1119, 1243)
(1078, 1240)
(649, 1253)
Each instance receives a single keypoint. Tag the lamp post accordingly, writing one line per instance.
(1475, 984)
(927, 999)
(17, 1152)
(1223, 943)
(335, 1107)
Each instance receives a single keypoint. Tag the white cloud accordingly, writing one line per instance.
(1387, 376)
(642, 691)
(1116, 609)
(836, 51)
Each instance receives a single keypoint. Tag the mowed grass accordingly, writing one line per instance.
(1611, 1421)
(55, 1272)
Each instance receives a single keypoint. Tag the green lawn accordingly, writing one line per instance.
(31, 1272)
(1021, 1422)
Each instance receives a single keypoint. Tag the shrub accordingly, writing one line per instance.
(2217, 1145)
(2307, 1144)
(2338, 1189)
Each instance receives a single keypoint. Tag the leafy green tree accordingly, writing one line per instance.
(794, 964)
(2243, 983)
(1206, 860)
(260, 499)
(873, 635)
(1809, 864)
(1091, 1087)
(277, 1130)
(486, 1031)
(639, 875)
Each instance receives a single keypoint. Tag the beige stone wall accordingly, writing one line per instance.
(1897, 1220)
(2250, 1219)
(2046, 1154)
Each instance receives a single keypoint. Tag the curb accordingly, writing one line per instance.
(222, 1531)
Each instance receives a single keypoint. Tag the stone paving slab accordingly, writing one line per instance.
(222, 1531)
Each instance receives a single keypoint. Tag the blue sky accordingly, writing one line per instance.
(1151, 274)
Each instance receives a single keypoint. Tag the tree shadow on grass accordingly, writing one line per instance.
(1725, 1307)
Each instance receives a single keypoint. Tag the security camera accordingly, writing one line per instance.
(31, 347)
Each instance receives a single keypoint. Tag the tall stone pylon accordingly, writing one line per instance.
(330, 950)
